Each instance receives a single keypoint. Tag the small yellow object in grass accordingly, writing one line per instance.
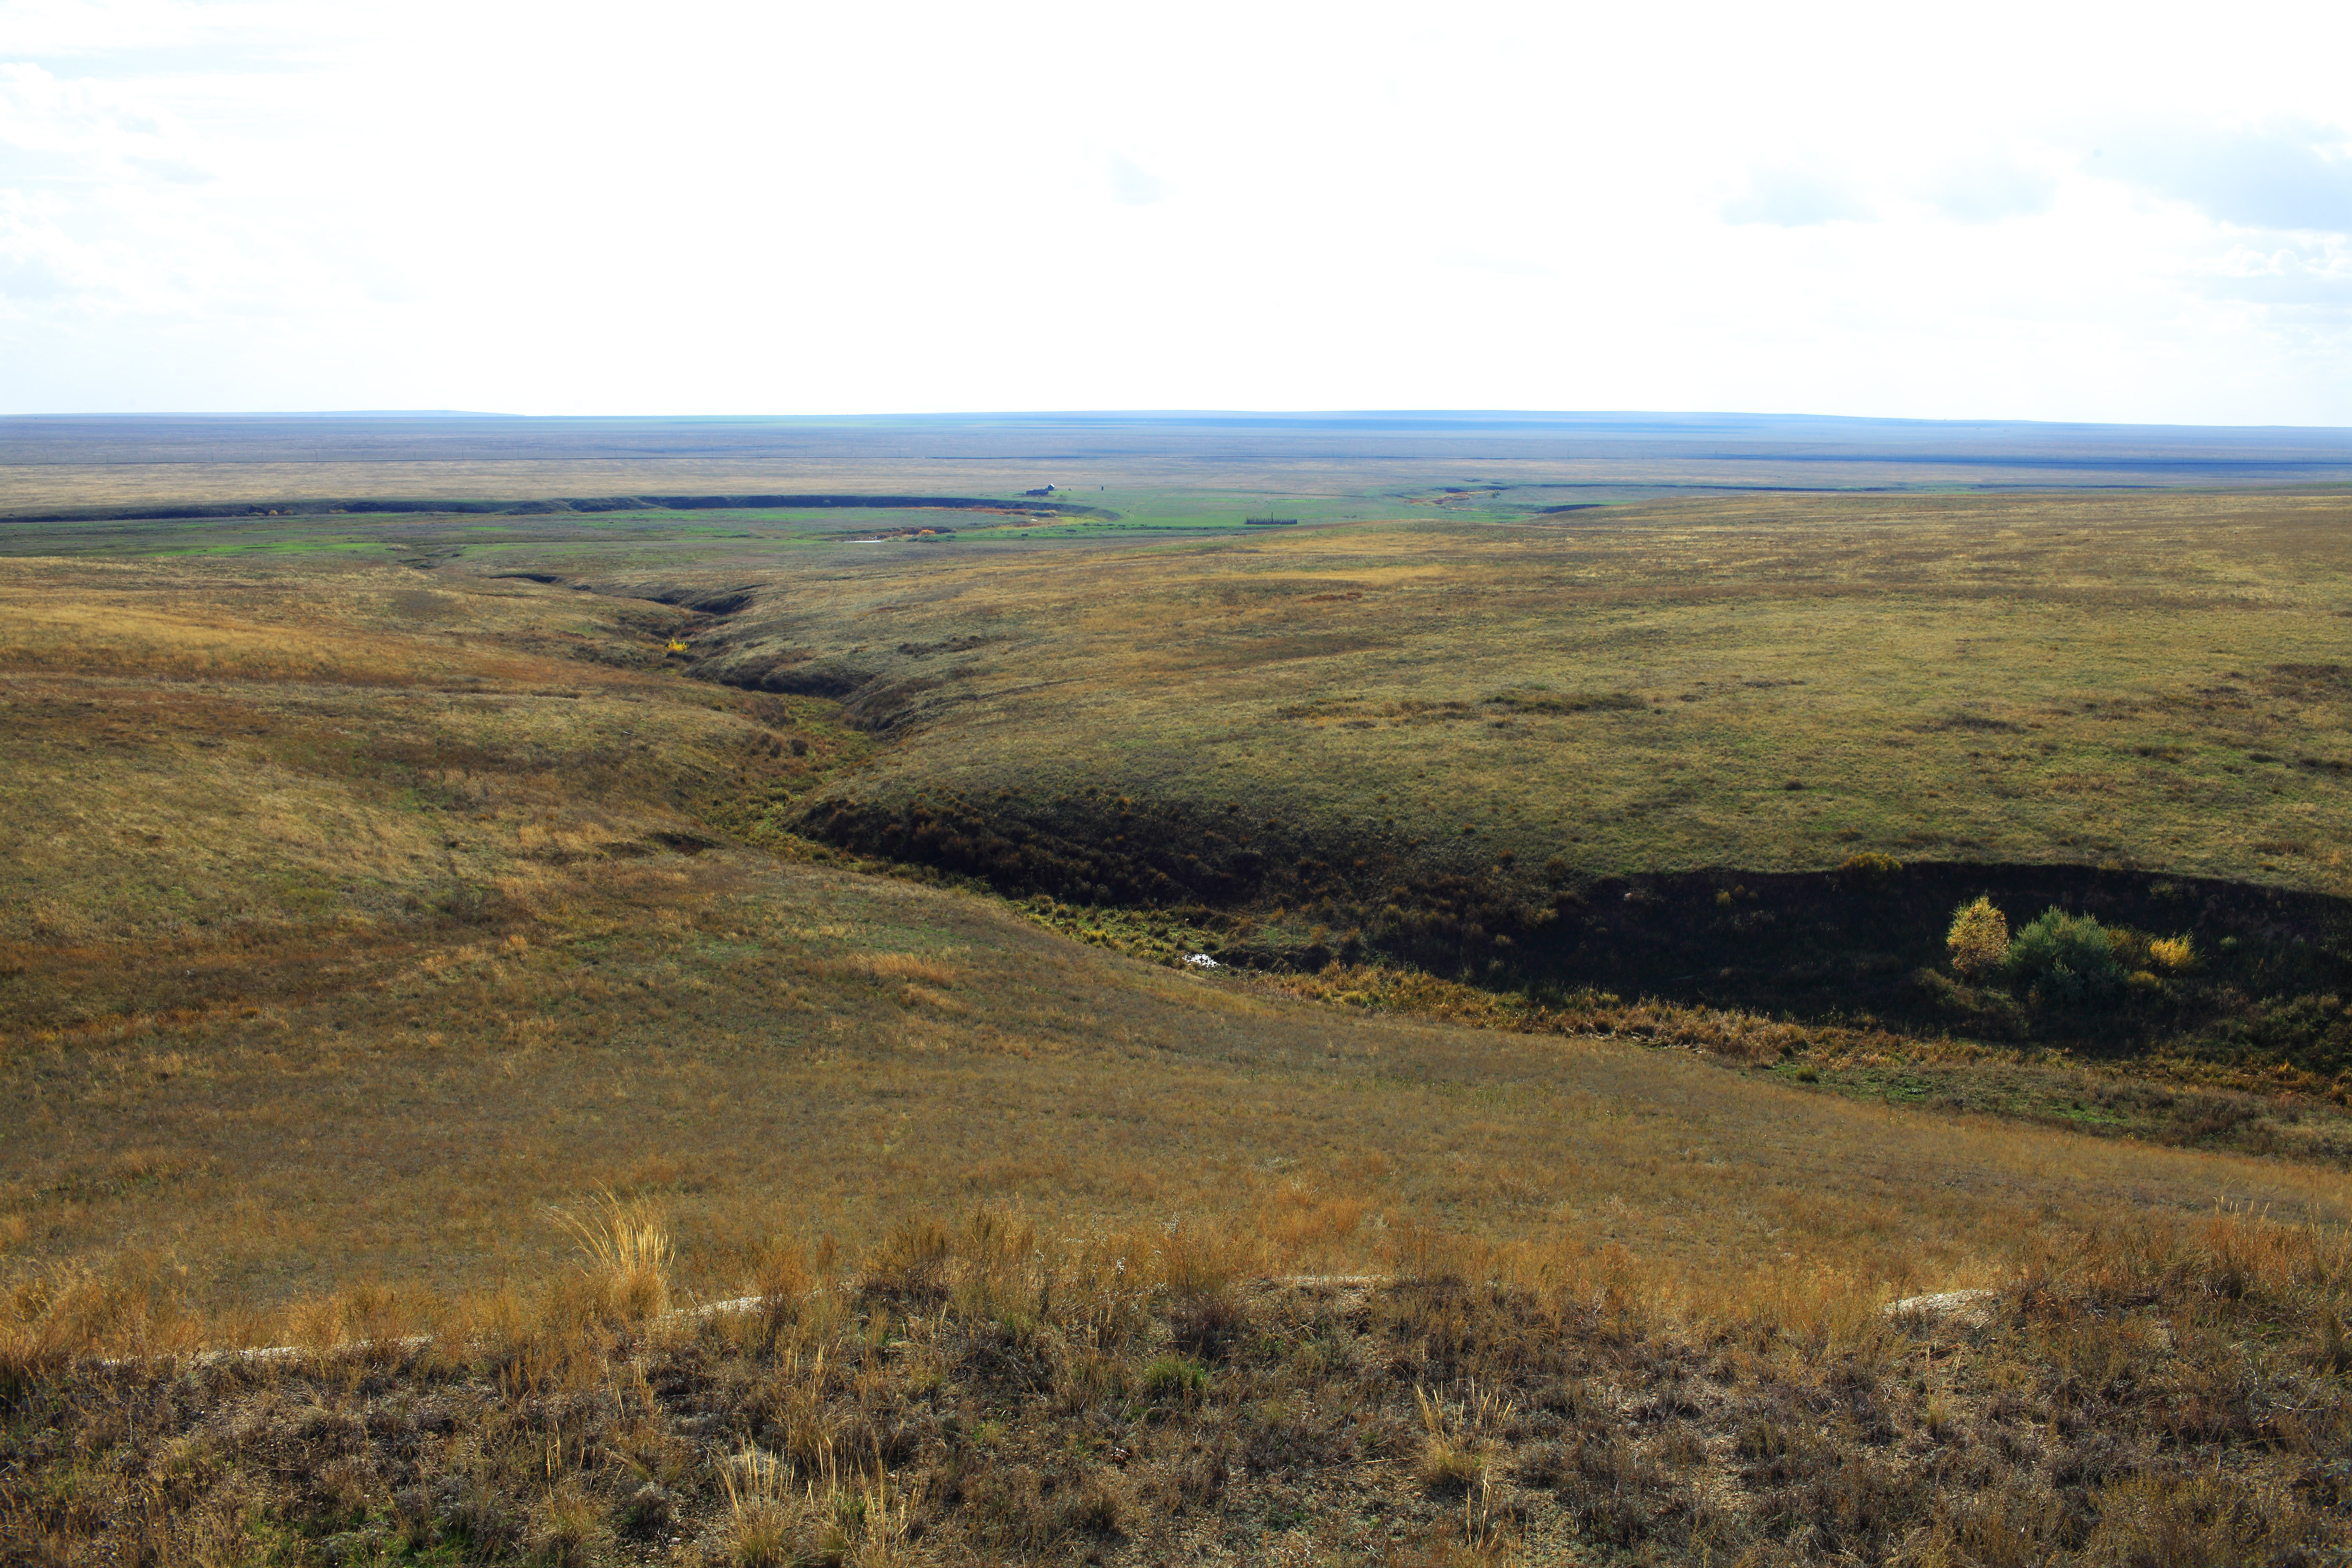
(2176, 954)
(676, 646)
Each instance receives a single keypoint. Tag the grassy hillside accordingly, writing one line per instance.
(1766, 683)
(1632, 754)
(1763, 684)
(385, 932)
(1628, 748)
(353, 922)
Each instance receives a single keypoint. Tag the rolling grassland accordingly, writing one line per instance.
(302, 862)
(1761, 684)
(510, 999)
(1748, 752)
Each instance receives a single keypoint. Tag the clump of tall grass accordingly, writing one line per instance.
(629, 1256)
(139, 1307)
(915, 1262)
(760, 1527)
(571, 1526)
(1454, 1454)
(833, 1515)
(1199, 1260)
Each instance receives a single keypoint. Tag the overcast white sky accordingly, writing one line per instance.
(2130, 212)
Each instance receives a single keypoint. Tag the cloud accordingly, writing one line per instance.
(2281, 277)
(1501, 265)
(25, 278)
(1797, 196)
(2294, 175)
(1133, 186)
(171, 171)
(89, 129)
(207, 203)
(1988, 189)
(40, 263)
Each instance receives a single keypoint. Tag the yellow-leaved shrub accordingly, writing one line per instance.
(1978, 939)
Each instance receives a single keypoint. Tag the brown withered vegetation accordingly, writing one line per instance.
(2169, 1391)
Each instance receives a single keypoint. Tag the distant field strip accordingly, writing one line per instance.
(316, 507)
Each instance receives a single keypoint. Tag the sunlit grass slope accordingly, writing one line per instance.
(374, 935)
(1773, 683)
(354, 919)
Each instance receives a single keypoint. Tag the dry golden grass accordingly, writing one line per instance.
(628, 1255)
(368, 988)
(316, 1034)
(711, 1036)
(2153, 680)
(2171, 1391)
(205, 755)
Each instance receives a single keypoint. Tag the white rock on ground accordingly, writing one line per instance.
(1969, 1306)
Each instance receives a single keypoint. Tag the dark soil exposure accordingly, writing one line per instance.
(2179, 1397)
(1865, 941)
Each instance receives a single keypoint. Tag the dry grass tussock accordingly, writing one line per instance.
(2166, 1390)
(629, 1254)
(774, 1519)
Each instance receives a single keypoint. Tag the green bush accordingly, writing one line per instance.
(2066, 958)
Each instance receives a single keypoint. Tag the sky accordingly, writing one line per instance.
(2121, 213)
